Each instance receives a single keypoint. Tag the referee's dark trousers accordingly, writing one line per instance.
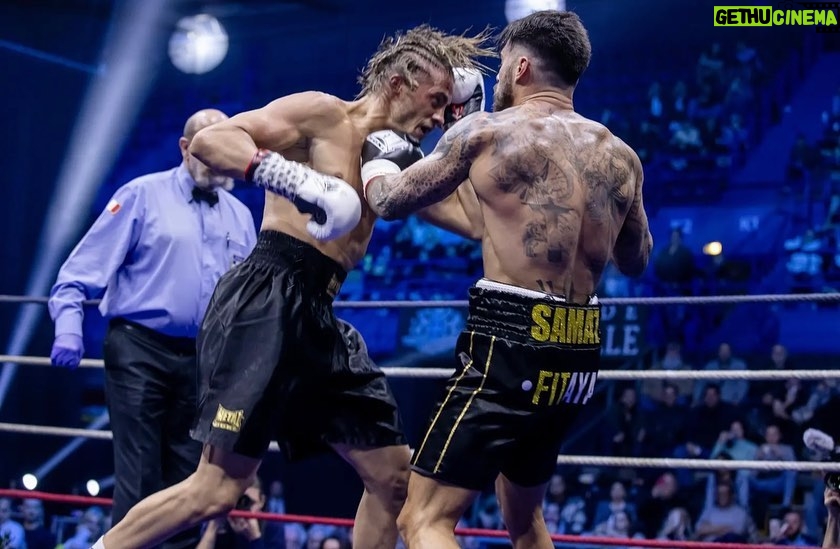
(150, 387)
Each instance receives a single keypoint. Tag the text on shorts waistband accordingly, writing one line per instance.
(533, 316)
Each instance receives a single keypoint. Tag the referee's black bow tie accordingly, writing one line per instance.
(207, 196)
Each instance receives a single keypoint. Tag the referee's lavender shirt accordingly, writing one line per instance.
(157, 254)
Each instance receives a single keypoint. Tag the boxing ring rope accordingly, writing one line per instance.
(600, 461)
(427, 304)
(437, 373)
(605, 375)
(471, 532)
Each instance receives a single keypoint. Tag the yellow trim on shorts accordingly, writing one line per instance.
(467, 405)
(445, 400)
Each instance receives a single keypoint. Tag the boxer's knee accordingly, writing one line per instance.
(384, 472)
(390, 486)
(208, 494)
(204, 501)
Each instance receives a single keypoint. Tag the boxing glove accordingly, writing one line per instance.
(467, 96)
(823, 445)
(387, 152)
(333, 203)
(821, 442)
(67, 351)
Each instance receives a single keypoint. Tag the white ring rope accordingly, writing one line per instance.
(634, 462)
(601, 461)
(673, 300)
(616, 375)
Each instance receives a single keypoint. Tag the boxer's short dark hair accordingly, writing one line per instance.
(557, 38)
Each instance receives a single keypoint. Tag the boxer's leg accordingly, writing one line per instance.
(522, 512)
(431, 512)
(212, 491)
(364, 428)
(384, 473)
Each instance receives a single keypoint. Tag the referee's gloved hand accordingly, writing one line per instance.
(67, 351)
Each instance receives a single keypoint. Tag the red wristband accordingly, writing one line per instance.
(254, 164)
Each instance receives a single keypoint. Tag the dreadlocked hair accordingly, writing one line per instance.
(411, 52)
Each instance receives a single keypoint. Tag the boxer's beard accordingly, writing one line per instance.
(503, 94)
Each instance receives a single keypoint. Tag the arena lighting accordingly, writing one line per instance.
(30, 481)
(107, 114)
(517, 9)
(70, 447)
(92, 487)
(713, 248)
(105, 483)
(198, 45)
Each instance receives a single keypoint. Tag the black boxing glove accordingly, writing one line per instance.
(467, 96)
(387, 152)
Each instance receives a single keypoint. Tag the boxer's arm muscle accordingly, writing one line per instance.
(459, 213)
(634, 243)
(435, 177)
(228, 146)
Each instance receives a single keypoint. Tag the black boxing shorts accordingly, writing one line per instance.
(275, 363)
(527, 364)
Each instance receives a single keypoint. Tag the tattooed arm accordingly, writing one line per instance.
(458, 213)
(433, 178)
(634, 243)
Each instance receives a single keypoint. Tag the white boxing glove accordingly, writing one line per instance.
(467, 96)
(333, 203)
(818, 441)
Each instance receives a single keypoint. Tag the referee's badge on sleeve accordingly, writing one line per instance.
(113, 207)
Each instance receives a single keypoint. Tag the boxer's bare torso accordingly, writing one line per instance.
(337, 152)
(312, 128)
(559, 196)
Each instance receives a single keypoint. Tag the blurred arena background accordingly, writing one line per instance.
(738, 130)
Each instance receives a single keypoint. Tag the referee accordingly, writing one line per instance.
(156, 252)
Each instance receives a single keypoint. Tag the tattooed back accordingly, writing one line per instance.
(555, 190)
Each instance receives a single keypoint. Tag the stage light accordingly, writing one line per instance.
(113, 101)
(713, 248)
(92, 487)
(517, 9)
(198, 45)
(30, 481)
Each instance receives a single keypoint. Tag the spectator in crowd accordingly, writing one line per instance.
(707, 419)
(732, 391)
(655, 506)
(37, 535)
(91, 525)
(732, 444)
(10, 530)
(665, 424)
(625, 432)
(725, 520)
(295, 536)
(677, 526)
(790, 532)
(674, 266)
(616, 503)
(672, 360)
(768, 483)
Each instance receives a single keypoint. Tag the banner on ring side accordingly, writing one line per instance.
(433, 331)
(623, 330)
